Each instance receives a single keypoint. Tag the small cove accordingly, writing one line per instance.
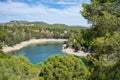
(40, 52)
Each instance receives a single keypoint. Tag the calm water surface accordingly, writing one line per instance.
(40, 52)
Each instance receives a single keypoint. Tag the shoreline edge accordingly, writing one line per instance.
(30, 42)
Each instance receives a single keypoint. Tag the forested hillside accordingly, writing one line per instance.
(15, 32)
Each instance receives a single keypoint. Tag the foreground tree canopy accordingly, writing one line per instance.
(104, 15)
(105, 18)
(59, 67)
(56, 67)
(17, 68)
(102, 39)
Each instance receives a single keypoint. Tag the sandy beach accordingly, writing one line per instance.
(37, 41)
(71, 52)
(32, 41)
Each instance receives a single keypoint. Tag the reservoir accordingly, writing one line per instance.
(40, 52)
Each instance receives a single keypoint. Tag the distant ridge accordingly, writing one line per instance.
(34, 23)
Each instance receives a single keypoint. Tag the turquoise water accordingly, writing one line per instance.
(40, 52)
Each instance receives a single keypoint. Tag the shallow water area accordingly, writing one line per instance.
(40, 52)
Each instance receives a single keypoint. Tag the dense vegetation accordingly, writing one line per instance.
(17, 31)
(56, 67)
(17, 68)
(103, 39)
(59, 67)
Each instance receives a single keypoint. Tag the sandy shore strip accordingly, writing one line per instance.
(71, 52)
(32, 41)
